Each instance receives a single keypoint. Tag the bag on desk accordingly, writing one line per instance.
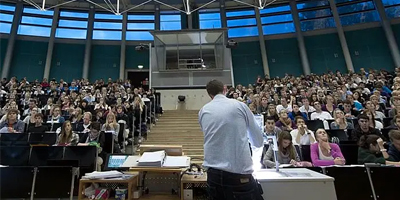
(102, 194)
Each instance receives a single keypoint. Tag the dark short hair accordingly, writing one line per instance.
(394, 135)
(214, 87)
(270, 118)
(347, 102)
(39, 115)
(96, 126)
(362, 116)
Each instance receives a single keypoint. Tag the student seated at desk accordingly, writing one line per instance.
(66, 136)
(324, 153)
(286, 152)
(12, 124)
(95, 138)
(371, 150)
(301, 135)
(38, 126)
(394, 146)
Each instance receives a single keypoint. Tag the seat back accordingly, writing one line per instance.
(41, 155)
(350, 153)
(16, 182)
(86, 155)
(14, 155)
(305, 153)
(341, 134)
(43, 138)
(351, 183)
(314, 124)
(14, 139)
(46, 175)
(384, 187)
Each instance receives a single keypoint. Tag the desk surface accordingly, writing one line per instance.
(156, 169)
(290, 174)
(118, 180)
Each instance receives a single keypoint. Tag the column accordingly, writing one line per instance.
(123, 47)
(50, 47)
(11, 40)
(300, 38)
(88, 48)
(190, 21)
(394, 49)
(157, 16)
(223, 13)
(342, 38)
(264, 56)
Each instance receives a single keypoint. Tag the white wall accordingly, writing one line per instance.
(195, 98)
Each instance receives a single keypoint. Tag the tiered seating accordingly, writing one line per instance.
(179, 128)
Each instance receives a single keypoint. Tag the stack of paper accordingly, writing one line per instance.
(103, 175)
(152, 159)
(177, 161)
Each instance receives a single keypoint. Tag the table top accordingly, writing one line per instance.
(156, 169)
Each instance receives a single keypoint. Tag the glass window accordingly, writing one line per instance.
(107, 25)
(140, 17)
(390, 2)
(39, 12)
(371, 16)
(315, 24)
(275, 9)
(139, 35)
(242, 22)
(72, 23)
(170, 22)
(393, 12)
(7, 7)
(106, 35)
(315, 14)
(240, 13)
(71, 33)
(243, 32)
(107, 16)
(276, 19)
(36, 20)
(34, 30)
(210, 20)
(355, 7)
(6, 17)
(140, 26)
(5, 27)
(278, 28)
(312, 4)
(342, 1)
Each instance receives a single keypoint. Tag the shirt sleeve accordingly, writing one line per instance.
(269, 158)
(254, 132)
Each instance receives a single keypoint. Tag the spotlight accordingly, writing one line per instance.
(140, 48)
(231, 44)
(140, 66)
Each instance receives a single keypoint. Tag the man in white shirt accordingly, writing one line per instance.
(306, 108)
(284, 105)
(319, 114)
(302, 135)
(228, 126)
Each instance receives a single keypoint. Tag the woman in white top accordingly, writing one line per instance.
(111, 124)
(301, 135)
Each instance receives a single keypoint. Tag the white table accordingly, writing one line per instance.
(295, 184)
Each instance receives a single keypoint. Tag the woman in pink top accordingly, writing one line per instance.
(324, 153)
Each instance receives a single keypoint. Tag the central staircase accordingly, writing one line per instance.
(179, 128)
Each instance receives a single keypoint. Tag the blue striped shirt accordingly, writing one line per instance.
(228, 126)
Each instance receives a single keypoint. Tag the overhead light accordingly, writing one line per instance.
(140, 66)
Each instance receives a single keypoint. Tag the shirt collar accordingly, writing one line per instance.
(219, 96)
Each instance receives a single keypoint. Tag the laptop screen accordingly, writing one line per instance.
(116, 161)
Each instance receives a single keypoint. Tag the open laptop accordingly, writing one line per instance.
(115, 161)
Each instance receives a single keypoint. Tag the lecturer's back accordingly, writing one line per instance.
(228, 125)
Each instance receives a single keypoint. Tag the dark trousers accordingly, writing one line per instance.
(222, 185)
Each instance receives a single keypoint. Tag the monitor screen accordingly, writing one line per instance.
(116, 161)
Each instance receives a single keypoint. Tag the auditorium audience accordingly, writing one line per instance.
(324, 153)
(287, 154)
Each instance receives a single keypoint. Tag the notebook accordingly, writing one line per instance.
(152, 159)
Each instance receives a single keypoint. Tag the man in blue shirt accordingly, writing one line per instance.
(228, 126)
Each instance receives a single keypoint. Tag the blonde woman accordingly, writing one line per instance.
(340, 121)
(111, 124)
(324, 153)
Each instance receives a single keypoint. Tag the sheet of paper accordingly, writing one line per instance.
(131, 161)
(176, 161)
